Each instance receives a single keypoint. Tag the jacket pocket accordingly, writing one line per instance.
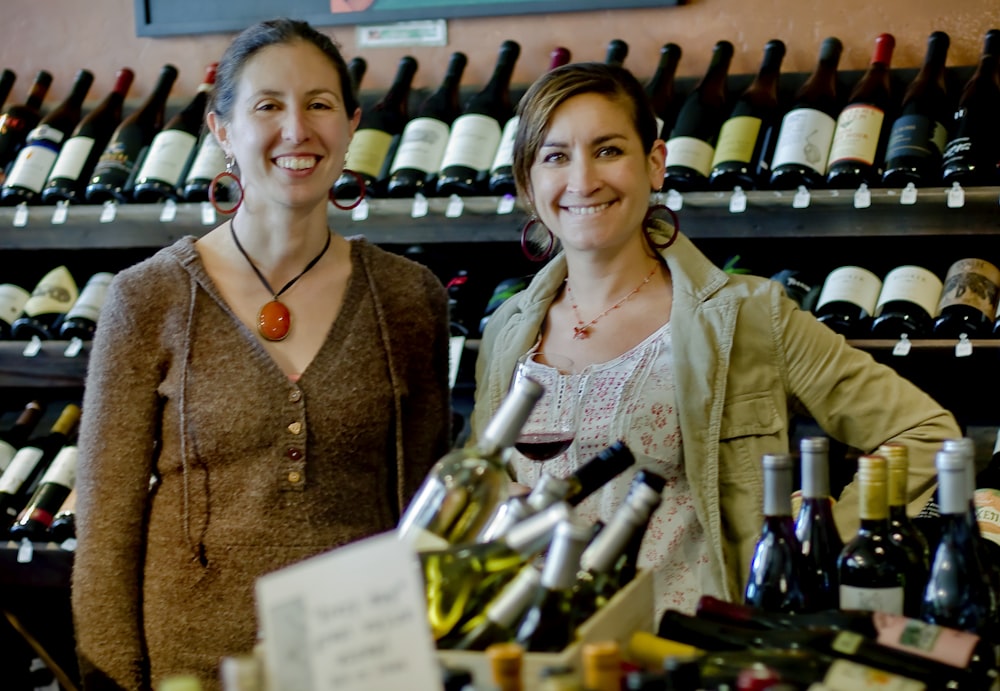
(750, 415)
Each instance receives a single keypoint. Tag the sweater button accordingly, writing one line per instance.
(295, 428)
(295, 396)
(294, 453)
(295, 477)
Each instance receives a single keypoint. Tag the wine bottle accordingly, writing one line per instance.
(746, 139)
(160, 176)
(602, 665)
(371, 150)
(502, 612)
(847, 300)
(12, 301)
(129, 142)
(616, 52)
(802, 149)
(502, 170)
(356, 69)
(34, 161)
(692, 140)
(856, 154)
(19, 119)
(421, 146)
(207, 164)
(81, 319)
(920, 133)
(907, 303)
(872, 568)
(7, 79)
(30, 460)
(463, 489)
(974, 145)
(17, 435)
(64, 522)
(475, 134)
(49, 302)
(506, 662)
(79, 154)
(779, 579)
(969, 300)
(547, 624)
(661, 89)
(57, 482)
(815, 527)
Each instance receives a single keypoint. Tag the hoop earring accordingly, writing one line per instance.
(526, 245)
(361, 196)
(219, 180)
(657, 246)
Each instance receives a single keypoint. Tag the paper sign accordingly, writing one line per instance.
(352, 619)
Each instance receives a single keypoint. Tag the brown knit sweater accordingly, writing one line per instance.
(252, 471)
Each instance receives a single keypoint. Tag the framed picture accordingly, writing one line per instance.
(179, 17)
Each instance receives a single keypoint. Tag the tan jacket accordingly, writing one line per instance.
(744, 355)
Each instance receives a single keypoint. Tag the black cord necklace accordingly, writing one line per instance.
(274, 321)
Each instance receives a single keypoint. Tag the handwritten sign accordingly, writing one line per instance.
(352, 619)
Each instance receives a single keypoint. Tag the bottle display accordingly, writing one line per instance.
(857, 151)
(692, 140)
(55, 485)
(78, 156)
(802, 150)
(31, 168)
(43, 313)
(743, 152)
(17, 434)
(7, 79)
(661, 89)
(475, 134)
(616, 52)
(920, 132)
(111, 177)
(373, 146)
(502, 613)
(81, 319)
(969, 299)
(847, 300)
(815, 527)
(421, 145)
(209, 161)
(907, 303)
(12, 301)
(161, 174)
(19, 119)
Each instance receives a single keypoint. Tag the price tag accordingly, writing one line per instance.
(964, 346)
(455, 206)
(902, 347)
(69, 544)
(207, 214)
(956, 196)
(26, 552)
(909, 194)
(169, 211)
(109, 212)
(801, 198)
(32, 347)
(420, 206)
(862, 197)
(506, 204)
(360, 212)
(738, 201)
(74, 347)
(675, 200)
(21, 215)
(60, 213)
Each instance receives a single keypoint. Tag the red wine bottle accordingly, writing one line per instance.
(161, 174)
(802, 150)
(847, 300)
(902, 530)
(661, 89)
(856, 154)
(372, 149)
(12, 301)
(49, 302)
(815, 527)
(907, 303)
(616, 52)
(17, 434)
(974, 146)
(79, 154)
(55, 485)
(746, 139)
(920, 132)
(7, 79)
(692, 140)
(81, 319)
(969, 300)
(207, 164)
(421, 146)
(34, 162)
(475, 134)
(356, 69)
(19, 119)
(129, 142)
(64, 522)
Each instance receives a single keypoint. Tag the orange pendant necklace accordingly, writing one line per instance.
(274, 321)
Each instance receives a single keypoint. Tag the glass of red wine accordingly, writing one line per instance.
(551, 427)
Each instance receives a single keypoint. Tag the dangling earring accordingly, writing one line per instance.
(221, 179)
(526, 242)
(361, 195)
(675, 222)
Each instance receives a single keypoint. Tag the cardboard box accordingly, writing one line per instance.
(628, 611)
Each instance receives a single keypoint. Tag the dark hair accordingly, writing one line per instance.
(557, 86)
(273, 32)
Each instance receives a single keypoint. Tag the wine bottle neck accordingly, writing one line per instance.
(563, 559)
(815, 469)
(777, 485)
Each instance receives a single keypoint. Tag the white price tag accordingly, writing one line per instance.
(74, 347)
(60, 213)
(169, 211)
(360, 212)
(109, 212)
(902, 347)
(32, 347)
(207, 214)
(909, 194)
(862, 197)
(801, 198)
(455, 206)
(506, 204)
(738, 201)
(675, 200)
(26, 552)
(420, 206)
(964, 346)
(69, 544)
(21, 215)
(956, 196)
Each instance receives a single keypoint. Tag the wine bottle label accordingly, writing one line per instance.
(167, 157)
(690, 152)
(12, 301)
(32, 167)
(911, 284)
(974, 283)
(987, 503)
(421, 146)
(917, 136)
(505, 153)
(851, 284)
(21, 466)
(62, 470)
(872, 599)
(88, 305)
(804, 140)
(737, 140)
(121, 154)
(856, 136)
(947, 645)
(473, 142)
(209, 161)
(7, 453)
(422, 540)
(850, 676)
(72, 158)
(54, 294)
(368, 150)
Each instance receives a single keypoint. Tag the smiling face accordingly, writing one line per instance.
(591, 177)
(289, 129)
